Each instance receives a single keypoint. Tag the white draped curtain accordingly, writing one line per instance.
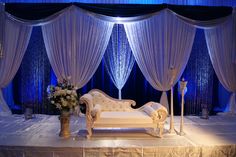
(221, 44)
(15, 41)
(75, 44)
(118, 58)
(2, 18)
(76, 40)
(159, 44)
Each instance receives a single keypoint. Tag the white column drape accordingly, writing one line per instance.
(75, 44)
(2, 10)
(234, 32)
(159, 44)
(118, 58)
(15, 42)
(221, 46)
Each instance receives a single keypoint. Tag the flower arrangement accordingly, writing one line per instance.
(63, 95)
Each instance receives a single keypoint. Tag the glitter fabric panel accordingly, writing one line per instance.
(33, 76)
(199, 74)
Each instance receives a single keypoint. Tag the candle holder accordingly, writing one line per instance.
(28, 113)
(173, 73)
(205, 112)
(183, 85)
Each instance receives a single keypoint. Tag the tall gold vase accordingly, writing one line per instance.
(65, 124)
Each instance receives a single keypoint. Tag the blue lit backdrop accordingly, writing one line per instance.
(118, 57)
(35, 74)
(199, 73)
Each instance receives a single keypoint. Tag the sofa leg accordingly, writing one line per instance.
(88, 136)
(161, 126)
(89, 133)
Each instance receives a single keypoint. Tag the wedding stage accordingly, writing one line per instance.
(38, 137)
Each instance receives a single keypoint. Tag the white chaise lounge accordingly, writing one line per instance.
(103, 111)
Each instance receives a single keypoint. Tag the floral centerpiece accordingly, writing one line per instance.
(63, 95)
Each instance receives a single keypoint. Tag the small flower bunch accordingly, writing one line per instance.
(63, 95)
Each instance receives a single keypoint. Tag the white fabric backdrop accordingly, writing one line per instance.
(221, 45)
(16, 39)
(118, 58)
(2, 10)
(74, 50)
(159, 44)
(75, 44)
(234, 32)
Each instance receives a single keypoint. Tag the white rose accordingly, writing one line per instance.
(58, 106)
(57, 88)
(64, 103)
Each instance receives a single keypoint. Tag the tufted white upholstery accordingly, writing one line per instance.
(109, 104)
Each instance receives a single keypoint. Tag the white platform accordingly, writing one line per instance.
(38, 137)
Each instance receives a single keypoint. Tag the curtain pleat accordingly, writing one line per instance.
(159, 45)
(15, 42)
(221, 47)
(75, 45)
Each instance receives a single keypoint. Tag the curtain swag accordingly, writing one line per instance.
(120, 20)
(176, 2)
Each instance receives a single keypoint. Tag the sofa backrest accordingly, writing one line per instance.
(110, 104)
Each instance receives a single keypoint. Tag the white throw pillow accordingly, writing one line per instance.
(150, 111)
(157, 106)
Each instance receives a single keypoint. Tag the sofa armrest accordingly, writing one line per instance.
(87, 99)
(96, 112)
(160, 111)
(162, 114)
